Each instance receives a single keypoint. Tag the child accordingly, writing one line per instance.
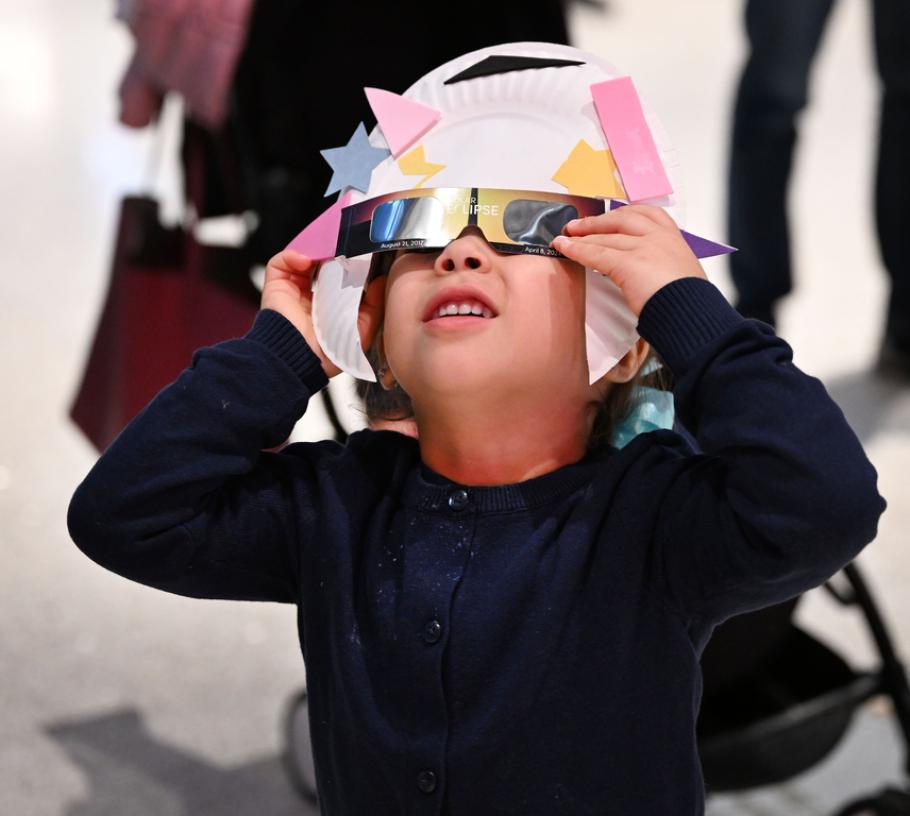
(495, 617)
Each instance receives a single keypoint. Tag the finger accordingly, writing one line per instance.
(282, 269)
(290, 260)
(275, 275)
(657, 214)
(596, 255)
(613, 240)
(297, 287)
(622, 220)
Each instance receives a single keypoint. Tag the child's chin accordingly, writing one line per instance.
(460, 374)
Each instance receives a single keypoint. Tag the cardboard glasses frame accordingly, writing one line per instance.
(512, 221)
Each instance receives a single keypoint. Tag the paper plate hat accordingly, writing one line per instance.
(518, 116)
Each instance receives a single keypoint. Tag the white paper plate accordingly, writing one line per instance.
(512, 131)
(337, 290)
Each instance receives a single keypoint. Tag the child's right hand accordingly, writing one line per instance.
(638, 247)
(288, 290)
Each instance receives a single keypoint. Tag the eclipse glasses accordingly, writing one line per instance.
(513, 221)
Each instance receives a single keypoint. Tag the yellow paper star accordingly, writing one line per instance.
(590, 172)
(414, 163)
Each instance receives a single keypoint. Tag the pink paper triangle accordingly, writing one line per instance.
(319, 238)
(402, 121)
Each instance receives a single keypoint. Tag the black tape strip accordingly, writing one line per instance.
(502, 64)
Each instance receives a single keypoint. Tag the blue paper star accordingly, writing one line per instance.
(354, 162)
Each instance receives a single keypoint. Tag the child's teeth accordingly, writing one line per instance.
(463, 309)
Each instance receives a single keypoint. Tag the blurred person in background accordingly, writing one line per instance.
(784, 38)
(265, 85)
(269, 83)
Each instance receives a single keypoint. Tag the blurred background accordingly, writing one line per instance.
(119, 699)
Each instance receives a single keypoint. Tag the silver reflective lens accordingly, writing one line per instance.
(536, 222)
(407, 218)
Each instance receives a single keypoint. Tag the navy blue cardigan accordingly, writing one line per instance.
(527, 648)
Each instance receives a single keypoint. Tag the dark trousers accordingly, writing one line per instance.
(784, 37)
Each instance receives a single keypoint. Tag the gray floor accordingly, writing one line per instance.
(117, 699)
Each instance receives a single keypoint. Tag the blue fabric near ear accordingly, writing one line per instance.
(651, 410)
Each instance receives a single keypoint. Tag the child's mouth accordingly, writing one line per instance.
(457, 321)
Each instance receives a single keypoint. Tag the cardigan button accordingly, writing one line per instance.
(432, 631)
(426, 781)
(458, 499)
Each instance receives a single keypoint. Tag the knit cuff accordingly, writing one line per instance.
(274, 331)
(683, 316)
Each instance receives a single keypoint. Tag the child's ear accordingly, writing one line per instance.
(630, 363)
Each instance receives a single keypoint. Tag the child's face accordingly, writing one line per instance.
(534, 342)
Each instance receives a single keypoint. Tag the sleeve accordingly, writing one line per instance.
(782, 495)
(186, 499)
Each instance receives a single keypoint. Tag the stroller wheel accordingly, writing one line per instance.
(297, 756)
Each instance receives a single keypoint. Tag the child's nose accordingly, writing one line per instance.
(469, 250)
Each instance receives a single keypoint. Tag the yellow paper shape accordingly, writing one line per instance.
(414, 163)
(590, 172)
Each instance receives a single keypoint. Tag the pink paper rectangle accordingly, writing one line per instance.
(623, 122)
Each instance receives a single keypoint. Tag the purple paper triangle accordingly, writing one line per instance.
(702, 247)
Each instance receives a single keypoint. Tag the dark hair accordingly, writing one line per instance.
(379, 404)
(395, 404)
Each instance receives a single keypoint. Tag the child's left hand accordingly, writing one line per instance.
(638, 247)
